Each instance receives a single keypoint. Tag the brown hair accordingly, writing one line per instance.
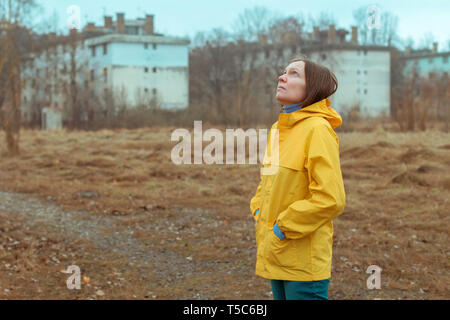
(320, 81)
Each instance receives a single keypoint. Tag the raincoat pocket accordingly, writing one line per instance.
(281, 252)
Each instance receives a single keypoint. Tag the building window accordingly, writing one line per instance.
(154, 46)
(154, 91)
(105, 49)
(365, 52)
(92, 75)
(358, 72)
(365, 91)
(105, 74)
(145, 45)
(324, 56)
(145, 69)
(131, 30)
(430, 60)
(365, 71)
(154, 69)
(146, 90)
(445, 58)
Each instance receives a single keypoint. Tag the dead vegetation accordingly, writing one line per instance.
(396, 215)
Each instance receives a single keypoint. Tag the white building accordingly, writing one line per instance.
(142, 66)
(426, 63)
(123, 59)
(363, 75)
(363, 71)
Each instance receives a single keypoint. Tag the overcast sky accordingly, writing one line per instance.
(417, 18)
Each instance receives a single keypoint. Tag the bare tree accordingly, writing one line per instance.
(388, 33)
(426, 42)
(10, 90)
(444, 103)
(286, 29)
(323, 20)
(418, 100)
(408, 42)
(233, 76)
(360, 18)
(73, 87)
(252, 23)
(199, 40)
(15, 41)
(397, 81)
(208, 74)
(404, 100)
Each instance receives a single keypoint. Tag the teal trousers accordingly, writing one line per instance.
(300, 290)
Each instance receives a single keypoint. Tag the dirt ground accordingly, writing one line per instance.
(140, 227)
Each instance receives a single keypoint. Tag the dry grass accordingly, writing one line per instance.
(396, 217)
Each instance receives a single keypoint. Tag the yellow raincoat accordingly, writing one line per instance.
(302, 196)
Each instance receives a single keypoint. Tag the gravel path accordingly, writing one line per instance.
(108, 233)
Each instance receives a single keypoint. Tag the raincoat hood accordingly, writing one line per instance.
(319, 109)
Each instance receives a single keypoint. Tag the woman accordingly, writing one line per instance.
(294, 205)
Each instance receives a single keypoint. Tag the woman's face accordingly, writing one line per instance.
(292, 84)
